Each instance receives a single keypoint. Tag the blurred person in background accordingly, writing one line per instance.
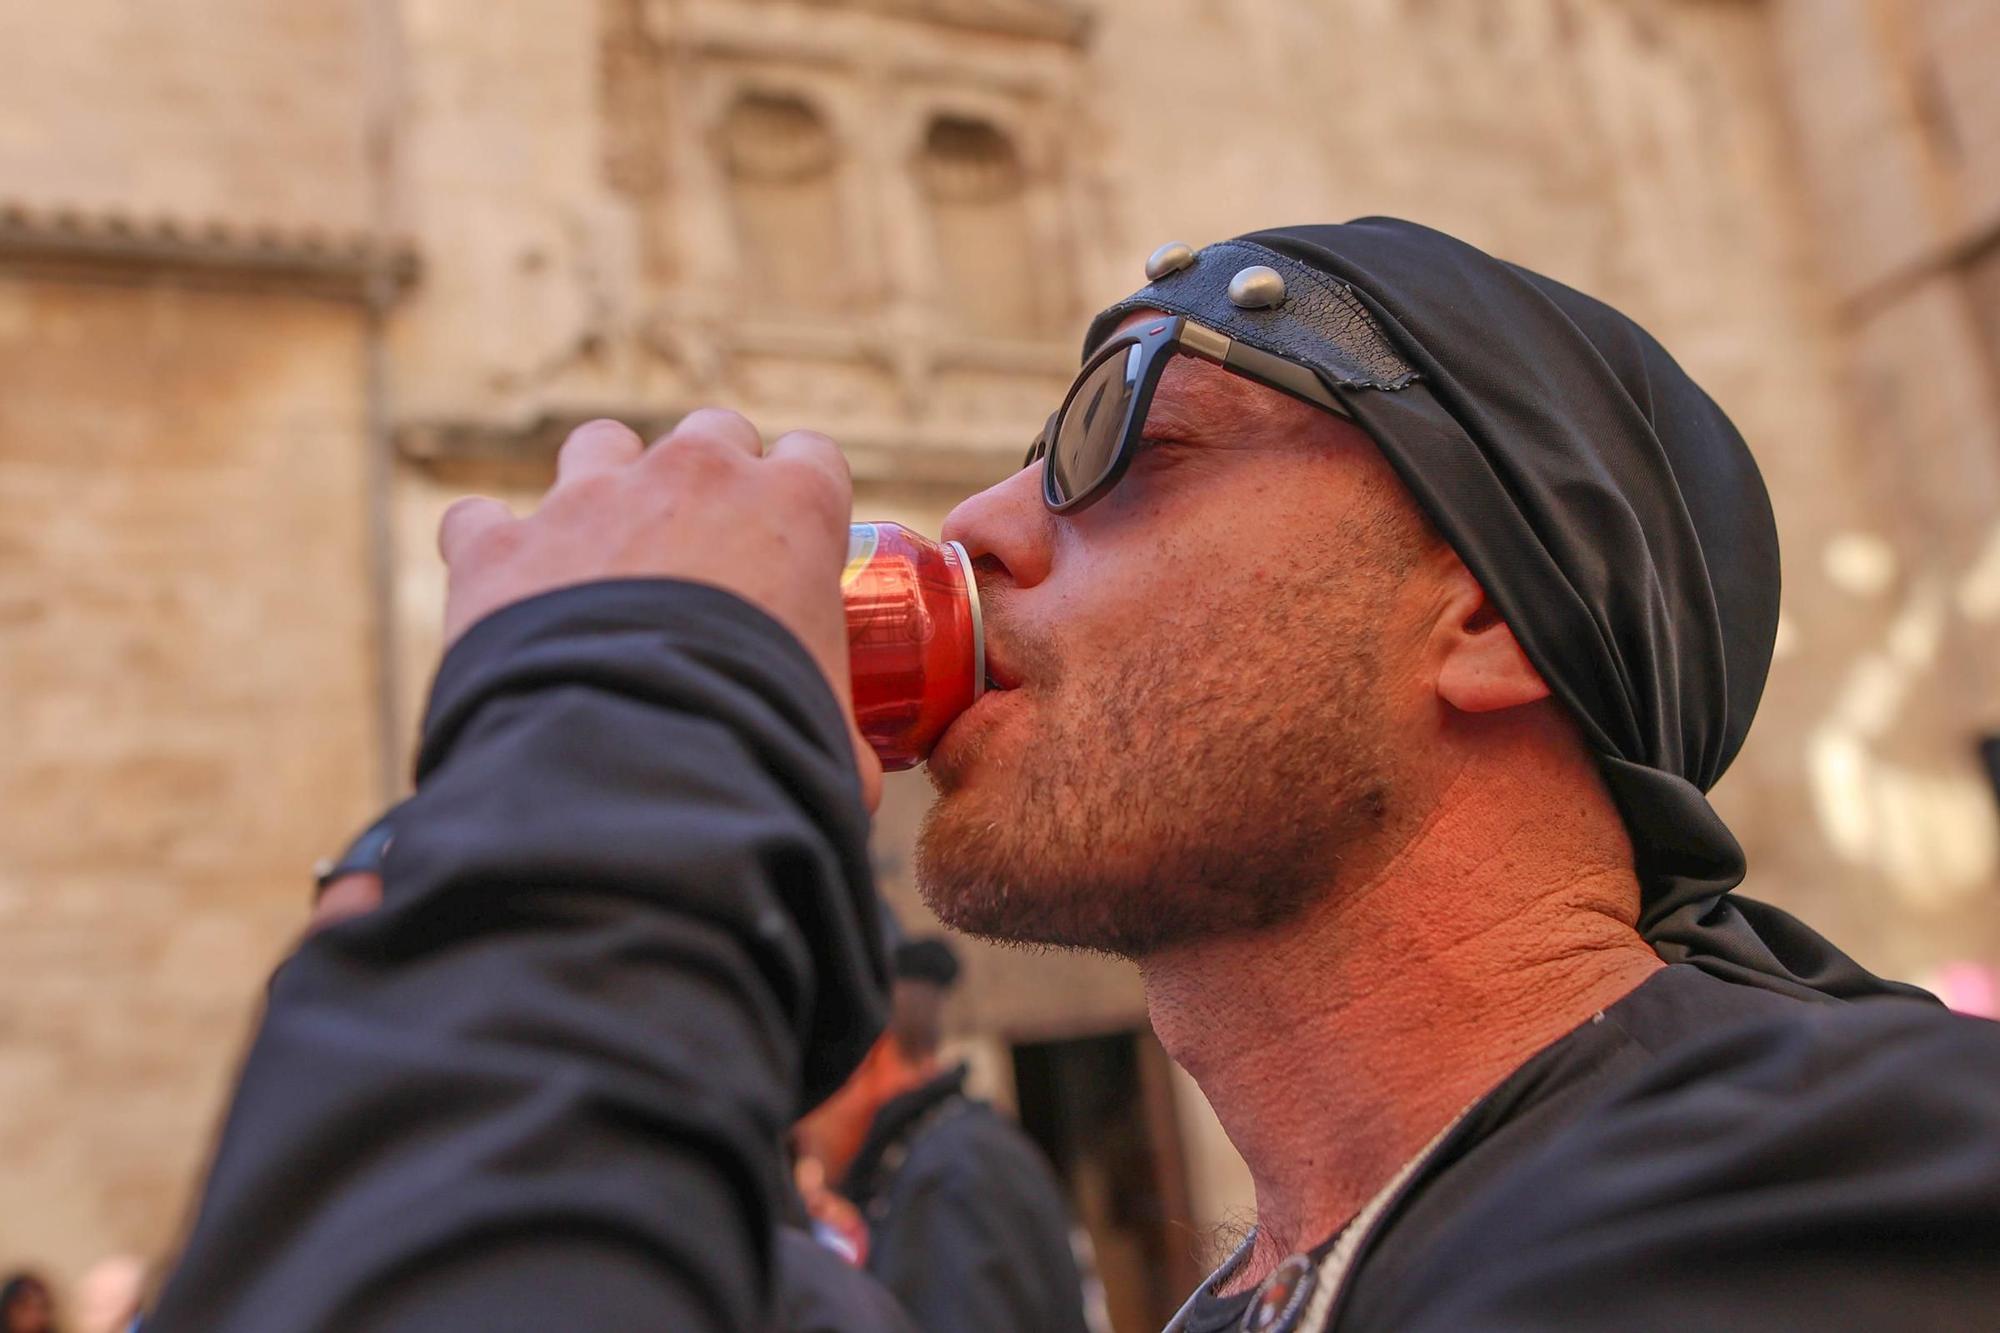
(27, 1305)
(966, 1223)
(827, 1215)
(1366, 629)
(820, 1291)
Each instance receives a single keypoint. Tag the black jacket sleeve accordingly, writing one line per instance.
(628, 933)
(1837, 1170)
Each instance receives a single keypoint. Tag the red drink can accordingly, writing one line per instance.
(914, 639)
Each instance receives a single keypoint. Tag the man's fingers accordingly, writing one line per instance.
(824, 474)
(869, 764)
(819, 457)
(814, 449)
(466, 520)
(716, 424)
(597, 446)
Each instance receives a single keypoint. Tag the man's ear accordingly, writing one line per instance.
(1482, 668)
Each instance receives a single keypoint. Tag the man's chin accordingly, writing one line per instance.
(995, 914)
(972, 870)
(990, 866)
(983, 877)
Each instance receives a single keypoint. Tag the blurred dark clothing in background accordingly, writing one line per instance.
(967, 1224)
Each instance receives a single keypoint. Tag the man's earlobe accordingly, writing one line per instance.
(1484, 669)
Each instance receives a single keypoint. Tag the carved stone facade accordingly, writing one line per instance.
(274, 287)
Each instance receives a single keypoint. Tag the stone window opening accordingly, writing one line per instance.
(782, 162)
(976, 189)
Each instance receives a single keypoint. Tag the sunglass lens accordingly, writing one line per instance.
(1086, 441)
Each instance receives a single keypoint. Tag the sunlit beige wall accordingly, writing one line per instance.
(187, 624)
(186, 684)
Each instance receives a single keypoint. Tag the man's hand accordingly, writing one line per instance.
(706, 503)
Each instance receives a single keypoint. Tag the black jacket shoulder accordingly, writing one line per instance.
(1807, 1166)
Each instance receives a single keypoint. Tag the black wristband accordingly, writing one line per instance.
(363, 855)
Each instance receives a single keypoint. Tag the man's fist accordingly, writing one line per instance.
(707, 502)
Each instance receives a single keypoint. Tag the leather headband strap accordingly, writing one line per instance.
(1320, 322)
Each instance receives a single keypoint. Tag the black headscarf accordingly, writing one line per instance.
(1604, 502)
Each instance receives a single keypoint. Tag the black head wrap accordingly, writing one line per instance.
(1604, 502)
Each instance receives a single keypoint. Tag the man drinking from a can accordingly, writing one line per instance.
(1360, 642)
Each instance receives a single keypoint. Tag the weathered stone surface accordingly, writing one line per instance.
(236, 110)
(186, 687)
(1954, 51)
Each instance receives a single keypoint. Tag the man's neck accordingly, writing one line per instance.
(1334, 1047)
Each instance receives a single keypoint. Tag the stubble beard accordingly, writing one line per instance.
(1212, 785)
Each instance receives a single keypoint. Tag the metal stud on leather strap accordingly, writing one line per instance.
(1257, 287)
(1169, 258)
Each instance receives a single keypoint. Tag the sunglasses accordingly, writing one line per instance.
(1090, 440)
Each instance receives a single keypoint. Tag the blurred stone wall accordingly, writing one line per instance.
(1893, 552)
(185, 692)
(231, 407)
(189, 680)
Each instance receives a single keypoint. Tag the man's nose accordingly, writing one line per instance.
(1009, 523)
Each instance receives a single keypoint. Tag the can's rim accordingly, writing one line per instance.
(978, 621)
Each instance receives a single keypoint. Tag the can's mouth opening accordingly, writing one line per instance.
(980, 680)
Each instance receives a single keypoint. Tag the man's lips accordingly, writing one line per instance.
(996, 701)
(1000, 675)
